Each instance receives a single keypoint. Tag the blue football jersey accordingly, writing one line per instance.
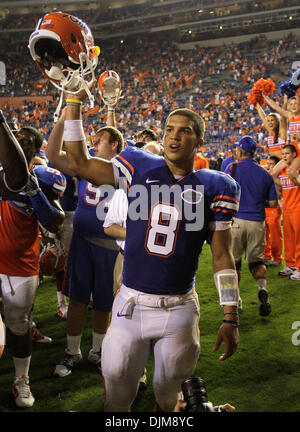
(168, 220)
(92, 206)
(93, 202)
(51, 179)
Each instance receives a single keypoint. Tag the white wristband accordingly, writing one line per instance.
(228, 287)
(73, 130)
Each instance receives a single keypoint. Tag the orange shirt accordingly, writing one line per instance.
(19, 244)
(290, 193)
(200, 162)
(294, 128)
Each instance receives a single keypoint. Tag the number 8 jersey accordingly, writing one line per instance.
(169, 219)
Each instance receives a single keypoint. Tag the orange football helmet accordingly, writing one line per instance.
(63, 47)
(52, 259)
(109, 85)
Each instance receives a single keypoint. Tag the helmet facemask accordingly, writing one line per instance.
(110, 87)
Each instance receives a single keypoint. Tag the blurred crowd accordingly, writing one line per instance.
(156, 78)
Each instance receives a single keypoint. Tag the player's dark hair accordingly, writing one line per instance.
(38, 137)
(115, 135)
(149, 132)
(274, 159)
(291, 147)
(198, 122)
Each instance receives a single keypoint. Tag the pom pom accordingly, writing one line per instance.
(295, 80)
(261, 86)
(287, 88)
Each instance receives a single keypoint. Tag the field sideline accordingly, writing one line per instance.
(262, 376)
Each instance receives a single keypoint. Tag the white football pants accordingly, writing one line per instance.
(142, 323)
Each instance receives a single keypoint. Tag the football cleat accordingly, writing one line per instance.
(287, 271)
(295, 276)
(22, 392)
(264, 306)
(37, 336)
(66, 365)
(109, 85)
(95, 358)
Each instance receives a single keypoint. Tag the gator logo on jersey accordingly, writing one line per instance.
(191, 196)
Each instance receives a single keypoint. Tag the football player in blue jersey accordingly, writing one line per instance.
(92, 253)
(157, 308)
(20, 215)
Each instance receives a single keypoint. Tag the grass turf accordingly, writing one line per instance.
(262, 376)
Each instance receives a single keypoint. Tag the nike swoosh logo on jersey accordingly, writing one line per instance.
(151, 181)
(122, 315)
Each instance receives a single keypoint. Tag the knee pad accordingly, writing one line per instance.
(255, 264)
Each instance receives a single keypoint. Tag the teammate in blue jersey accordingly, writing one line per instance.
(92, 253)
(157, 309)
(20, 216)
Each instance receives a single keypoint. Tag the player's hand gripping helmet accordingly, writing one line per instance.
(109, 85)
(63, 47)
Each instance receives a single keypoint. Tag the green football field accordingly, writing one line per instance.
(262, 376)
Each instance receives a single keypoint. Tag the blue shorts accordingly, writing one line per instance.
(90, 271)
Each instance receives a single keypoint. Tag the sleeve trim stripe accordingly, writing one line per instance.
(59, 187)
(60, 182)
(226, 197)
(224, 204)
(224, 211)
(58, 192)
(126, 163)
